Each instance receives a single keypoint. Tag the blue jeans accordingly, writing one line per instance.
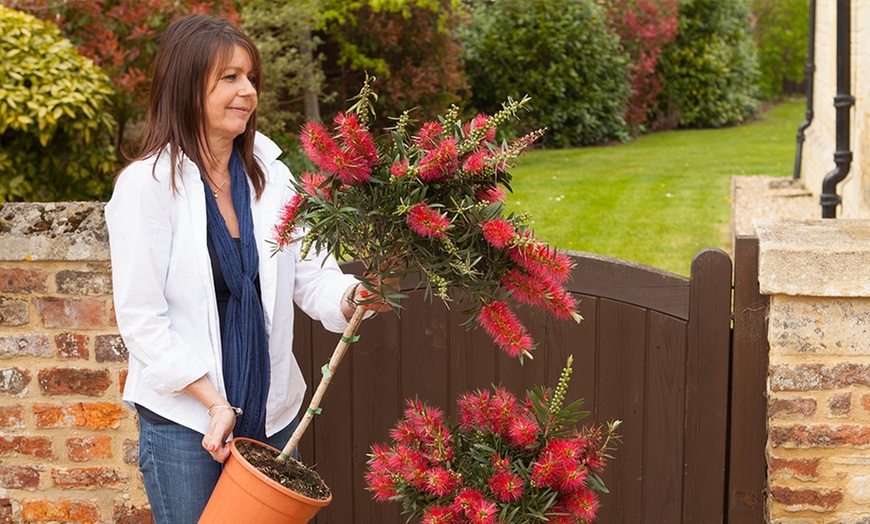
(179, 473)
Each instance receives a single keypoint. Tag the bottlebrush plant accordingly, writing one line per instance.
(507, 460)
(429, 203)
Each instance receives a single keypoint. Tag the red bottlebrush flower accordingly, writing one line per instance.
(475, 163)
(437, 515)
(438, 481)
(504, 410)
(474, 411)
(506, 486)
(541, 260)
(545, 471)
(286, 226)
(538, 291)
(483, 512)
(427, 221)
(440, 163)
(499, 232)
(466, 501)
(400, 168)
(491, 195)
(478, 122)
(357, 139)
(381, 486)
(504, 328)
(571, 476)
(319, 145)
(523, 432)
(312, 182)
(582, 503)
(351, 168)
(429, 133)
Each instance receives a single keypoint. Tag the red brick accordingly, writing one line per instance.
(14, 312)
(98, 415)
(809, 377)
(110, 348)
(802, 469)
(840, 405)
(73, 381)
(6, 516)
(92, 478)
(19, 477)
(820, 435)
(126, 513)
(810, 498)
(131, 451)
(19, 280)
(14, 380)
(71, 313)
(64, 510)
(24, 345)
(791, 407)
(11, 417)
(92, 283)
(865, 401)
(122, 380)
(72, 345)
(92, 447)
(39, 447)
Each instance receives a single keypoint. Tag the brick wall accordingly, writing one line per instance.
(68, 447)
(818, 273)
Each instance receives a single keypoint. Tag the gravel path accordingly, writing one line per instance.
(769, 197)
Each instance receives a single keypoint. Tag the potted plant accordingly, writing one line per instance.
(429, 203)
(506, 460)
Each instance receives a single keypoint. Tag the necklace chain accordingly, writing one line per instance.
(221, 186)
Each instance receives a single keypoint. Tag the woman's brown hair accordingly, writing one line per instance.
(191, 48)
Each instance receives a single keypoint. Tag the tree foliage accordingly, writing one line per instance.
(711, 68)
(557, 51)
(55, 132)
(644, 28)
(121, 37)
(781, 31)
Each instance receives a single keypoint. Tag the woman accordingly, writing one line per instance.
(203, 307)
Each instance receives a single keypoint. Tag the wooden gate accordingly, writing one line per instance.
(655, 351)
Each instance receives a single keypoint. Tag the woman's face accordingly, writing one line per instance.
(231, 99)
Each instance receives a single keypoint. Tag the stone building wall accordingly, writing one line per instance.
(818, 275)
(818, 150)
(68, 447)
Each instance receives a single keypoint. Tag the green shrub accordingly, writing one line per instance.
(711, 68)
(55, 132)
(781, 32)
(557, 51)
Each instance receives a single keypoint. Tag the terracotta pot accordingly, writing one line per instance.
(244, 494)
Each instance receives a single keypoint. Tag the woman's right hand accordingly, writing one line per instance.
(219, 428)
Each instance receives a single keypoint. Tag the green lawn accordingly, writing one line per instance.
(658, 199)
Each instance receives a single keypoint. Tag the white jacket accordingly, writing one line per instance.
(164, 289)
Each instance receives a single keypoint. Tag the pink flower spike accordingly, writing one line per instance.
(319, 145)
(437, 515)
(478, 122)
(475, 163)
(491, 195)
(499, 232)
(440, 163)
(429, 133)
(356, 139)
(311, 182)
(427, 221)
(286, 225)
(400, 168)
(502, 325)
(583, 504)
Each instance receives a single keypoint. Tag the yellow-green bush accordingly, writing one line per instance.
(55, 132)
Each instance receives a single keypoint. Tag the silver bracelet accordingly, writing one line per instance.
(237, 411)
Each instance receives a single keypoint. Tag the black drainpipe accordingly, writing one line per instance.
(809, 74)
(842, 102)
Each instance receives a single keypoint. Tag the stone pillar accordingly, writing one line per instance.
(818, 450)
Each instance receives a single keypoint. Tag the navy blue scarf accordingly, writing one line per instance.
(245, 356)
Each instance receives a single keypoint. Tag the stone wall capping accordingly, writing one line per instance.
(53, 231)
(822, 257)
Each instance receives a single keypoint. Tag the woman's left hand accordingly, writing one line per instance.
(219, 428)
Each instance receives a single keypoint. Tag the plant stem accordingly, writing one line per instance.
(334, 361)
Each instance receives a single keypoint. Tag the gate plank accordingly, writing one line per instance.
(747, 470)
(707, 387)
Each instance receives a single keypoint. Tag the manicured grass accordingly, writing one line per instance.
(658, 199)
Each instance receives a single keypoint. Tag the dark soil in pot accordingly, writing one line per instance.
(291, 473)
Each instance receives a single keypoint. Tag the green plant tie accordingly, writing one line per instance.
(325, 371)
(283, 456)
(349, 340)
(317, 411)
